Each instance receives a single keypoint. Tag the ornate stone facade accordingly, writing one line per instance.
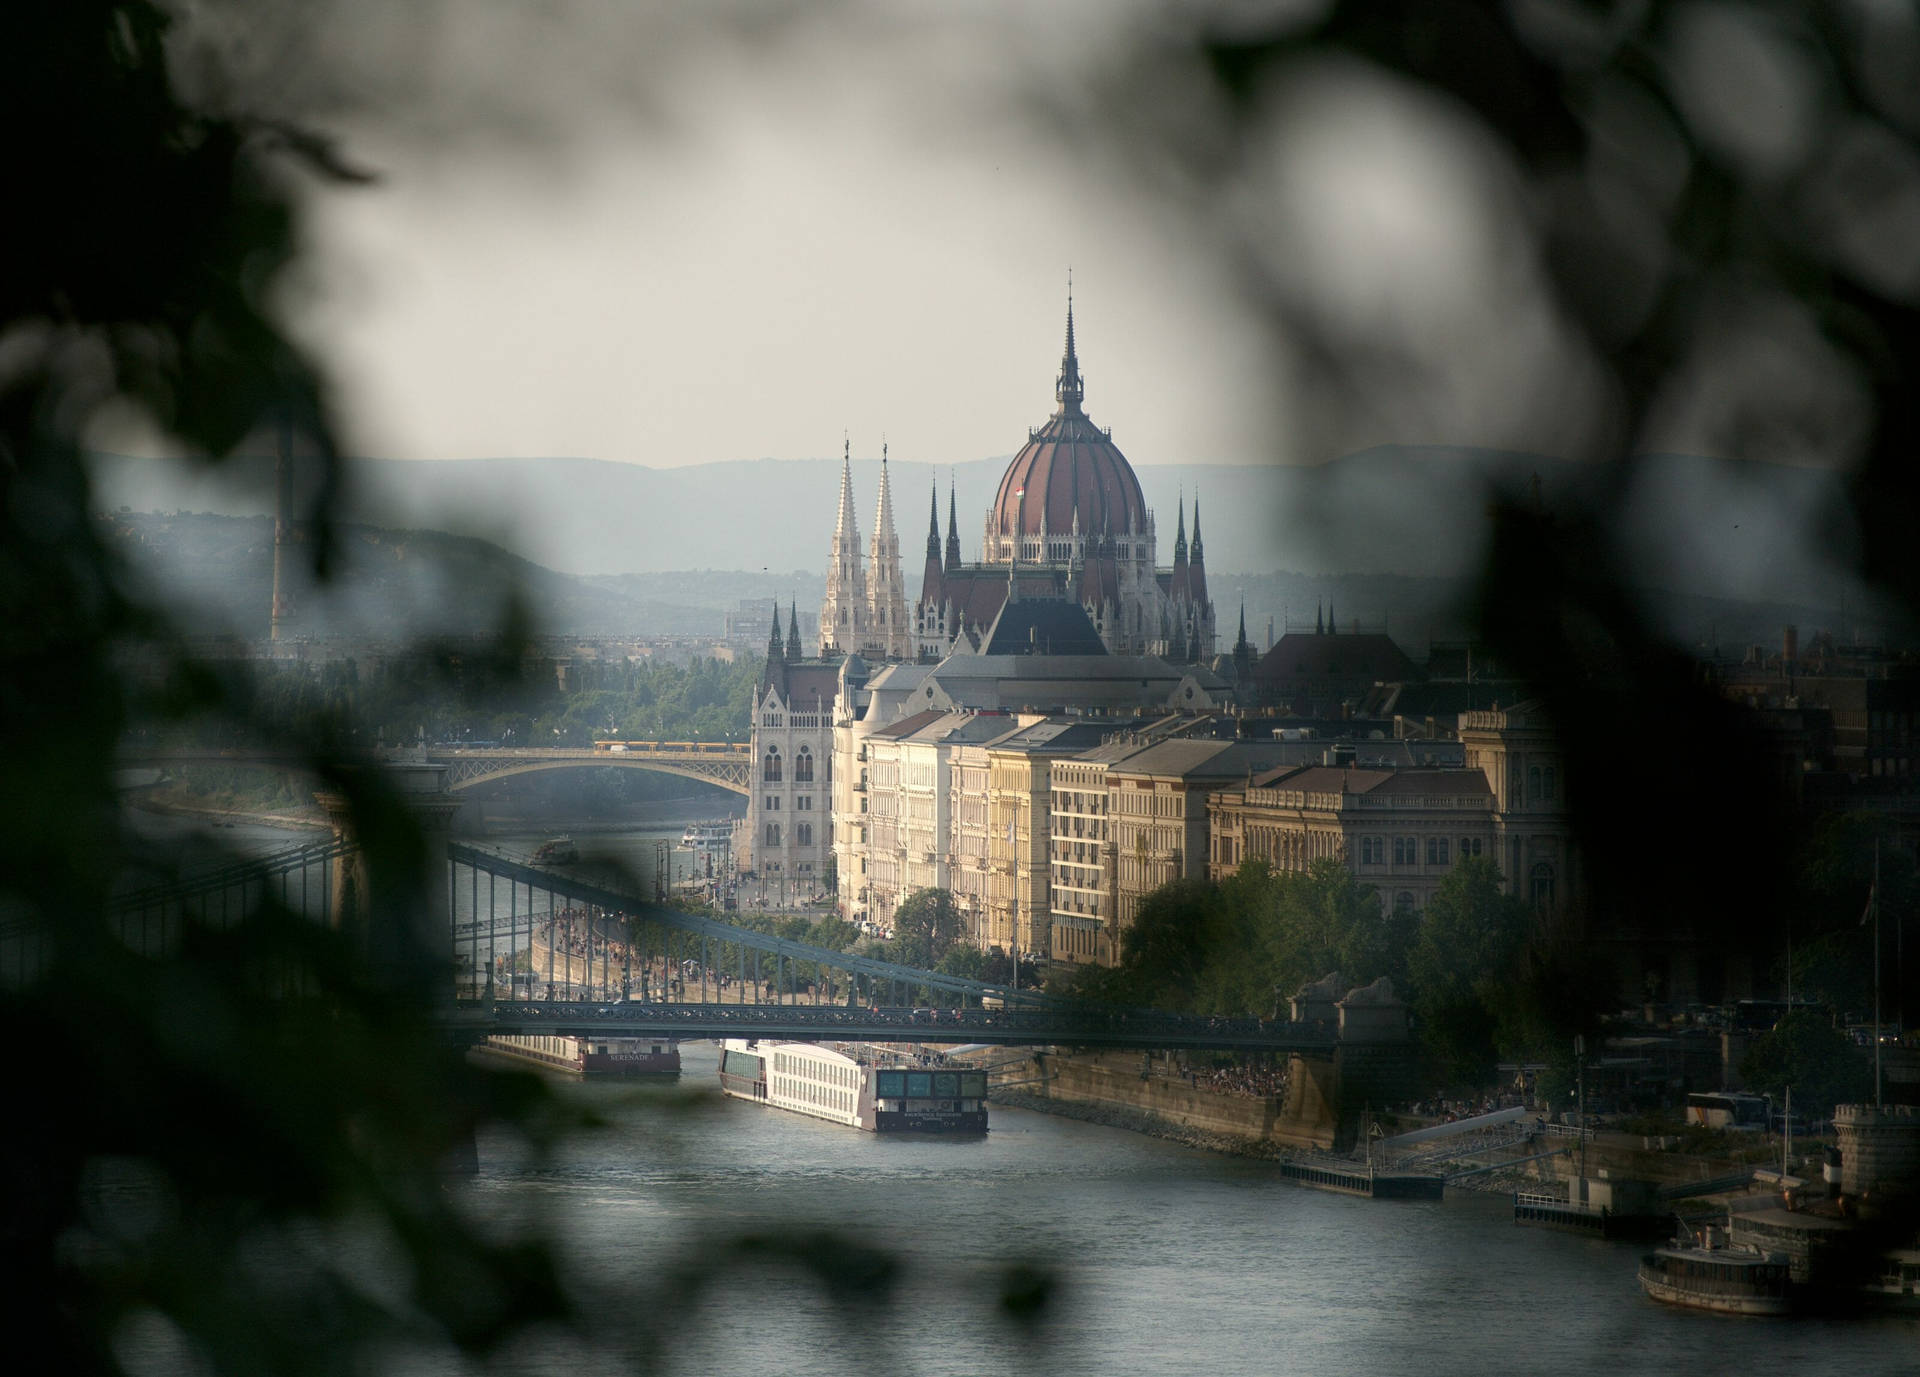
(1069, 514)
(865, 609)
(789, 826)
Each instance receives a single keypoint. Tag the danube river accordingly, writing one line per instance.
(1171, 1260)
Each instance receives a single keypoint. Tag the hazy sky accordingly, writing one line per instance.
(749, 249)
(673, 234)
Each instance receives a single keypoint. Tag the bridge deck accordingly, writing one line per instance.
(1076, 1026)
(605, 897)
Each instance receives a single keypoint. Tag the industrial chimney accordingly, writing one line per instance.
(282, 499)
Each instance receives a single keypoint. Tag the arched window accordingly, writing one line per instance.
(770, 767)
(1541, 890)
(803, 766)
(1403, 901)
(803, 834)
(773, 834)
(1533, 784)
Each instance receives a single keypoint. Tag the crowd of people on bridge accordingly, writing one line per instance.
(1441, 1109)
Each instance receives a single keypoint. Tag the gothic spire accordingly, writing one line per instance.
(888, 631)
(953, 530)
(776, 656)
(846, 526)
(931, 582)
(1180, 537)
(1198, 556)
(1319, 620)
(843, 613)
(1069, 389)
(793, 629)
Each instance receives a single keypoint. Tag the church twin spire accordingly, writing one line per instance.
(865, 610)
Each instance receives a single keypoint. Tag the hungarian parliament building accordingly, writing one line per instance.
(1048, 732)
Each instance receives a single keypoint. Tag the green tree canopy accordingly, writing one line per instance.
(1820, 1062)
(927, 923)
(1464, 963)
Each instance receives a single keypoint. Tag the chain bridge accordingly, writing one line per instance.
(575, 952)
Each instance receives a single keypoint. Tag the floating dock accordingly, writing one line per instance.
(1357, 1178)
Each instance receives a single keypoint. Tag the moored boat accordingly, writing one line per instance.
(1895, 1280)
(707, 836)
(594, 1056)
(1729, 1281)
(852, 1088)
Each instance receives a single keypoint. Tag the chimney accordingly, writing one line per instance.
(282, 500)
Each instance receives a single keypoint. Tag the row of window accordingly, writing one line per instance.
(1406, 850)
(802, 834)
(770, 766)
(802, 803)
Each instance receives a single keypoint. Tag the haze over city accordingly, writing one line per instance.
(1235, 684)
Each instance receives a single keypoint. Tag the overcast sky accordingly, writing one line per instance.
(749, 249)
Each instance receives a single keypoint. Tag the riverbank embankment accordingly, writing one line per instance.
(1110, 1089)
(174, 807)
(1119, 1090)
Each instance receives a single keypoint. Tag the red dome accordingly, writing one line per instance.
(1069, 468)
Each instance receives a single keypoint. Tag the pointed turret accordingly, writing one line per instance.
(1333, 627)
(1242, 649)
(931, 581)
(1069, 389)
(1197, 586)
(889, 633)
(793, 629)
(775, 674)
(843, 613)
(953, 530)
(1319, 622)
(1179, 591)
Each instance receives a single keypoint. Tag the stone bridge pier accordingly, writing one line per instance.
(396, 907)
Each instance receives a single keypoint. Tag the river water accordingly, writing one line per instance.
(1171, 1260)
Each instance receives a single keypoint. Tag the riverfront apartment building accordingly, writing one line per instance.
(1401, 831)
(1158, 817)
(1519, 752)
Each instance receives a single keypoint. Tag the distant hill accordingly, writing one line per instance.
(216, 572)
(1407, 522)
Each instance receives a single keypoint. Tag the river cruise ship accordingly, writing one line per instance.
(843, 1088)
(707, 836)
(1732, 1281)
(594, 1057)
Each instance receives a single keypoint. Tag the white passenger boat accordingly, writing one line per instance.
(844, 1088)
(589, 1056)
(707, 836)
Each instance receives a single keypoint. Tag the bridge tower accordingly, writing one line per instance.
(395, 903)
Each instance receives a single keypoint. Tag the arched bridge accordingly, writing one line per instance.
(725, 763)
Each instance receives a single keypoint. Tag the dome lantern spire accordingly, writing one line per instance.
(1069, 389)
